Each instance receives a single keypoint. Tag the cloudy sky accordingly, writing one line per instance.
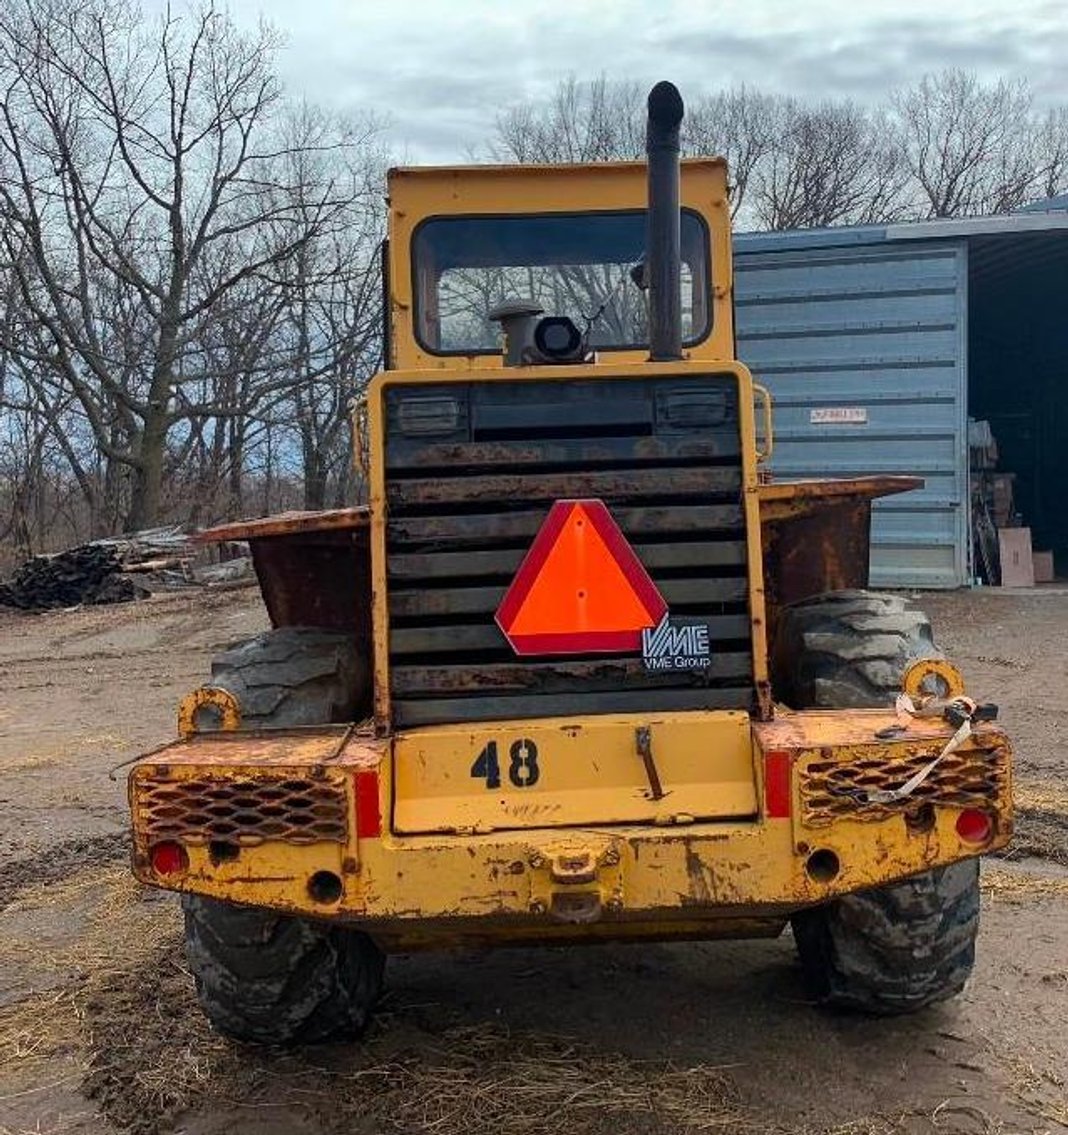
(442, 69)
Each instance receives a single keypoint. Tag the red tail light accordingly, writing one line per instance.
(974, 826)
(777, 768)
(169, 858)
(368, 815)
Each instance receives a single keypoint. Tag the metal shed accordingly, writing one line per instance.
(878, 341)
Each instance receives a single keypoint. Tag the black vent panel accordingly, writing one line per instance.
(472, 471)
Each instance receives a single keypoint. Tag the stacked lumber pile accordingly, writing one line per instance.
(116, 570)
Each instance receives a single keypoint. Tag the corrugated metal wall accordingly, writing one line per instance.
(878, 327)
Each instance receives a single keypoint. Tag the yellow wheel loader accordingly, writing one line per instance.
(581, 670)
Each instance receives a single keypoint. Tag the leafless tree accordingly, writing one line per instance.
(596, 121)
(141, 185)
(827, 164)
(970, 147)
(330, 329)
(1052, 152)
(738, 124)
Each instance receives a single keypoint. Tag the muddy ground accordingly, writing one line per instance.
(99, 1032)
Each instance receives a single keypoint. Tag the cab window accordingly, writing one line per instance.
(574, 264)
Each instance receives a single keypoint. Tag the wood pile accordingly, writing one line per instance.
(115, 570)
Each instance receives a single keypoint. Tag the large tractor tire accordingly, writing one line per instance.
(261, 976)
(847, 650)
(295, 676)
(902, 947)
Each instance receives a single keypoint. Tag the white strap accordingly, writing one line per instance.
(906, 707)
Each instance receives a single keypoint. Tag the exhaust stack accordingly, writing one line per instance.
(662, 239)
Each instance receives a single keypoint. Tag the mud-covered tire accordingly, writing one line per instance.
(295, 676)
(273, 979)
(262, 976)
(894, 949)
(847, 650)
(902, 947)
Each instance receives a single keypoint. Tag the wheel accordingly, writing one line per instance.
(902, 947)
(261, 976)
(847, 650)
(295, 676)
(894, 949)
(274, 979)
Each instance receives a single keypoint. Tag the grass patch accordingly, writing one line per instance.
(130, 1027)
(1016, 886)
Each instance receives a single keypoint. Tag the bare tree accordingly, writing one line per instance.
(596, 121)
(1052, 152)
(969, 147)
(832, 163)
(331, 319)
(138, 163)
(738, 124)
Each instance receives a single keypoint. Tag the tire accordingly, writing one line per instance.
(847, 650)
(261, 976)
(899, 948)
(295, 676)
(273, 979)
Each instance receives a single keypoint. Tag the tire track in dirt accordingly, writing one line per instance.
(60, 862)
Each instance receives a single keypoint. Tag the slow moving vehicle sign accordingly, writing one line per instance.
(581, 589)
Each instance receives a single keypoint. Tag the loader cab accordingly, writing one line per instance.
(566, 239)
(477, 444)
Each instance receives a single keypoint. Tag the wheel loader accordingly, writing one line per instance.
(581, 670)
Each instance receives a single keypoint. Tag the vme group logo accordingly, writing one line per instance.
(671, 646)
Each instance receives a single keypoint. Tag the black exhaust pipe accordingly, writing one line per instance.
(662, 236)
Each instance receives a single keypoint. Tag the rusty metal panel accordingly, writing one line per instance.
(313, 568)
(317, 579)
(552, 486)
(687, 521)
(862, 344)
(471, 470)
(248, 787)
(816, 535)
(280, 805)
(286, 524)
(838, 759)
(831, 789)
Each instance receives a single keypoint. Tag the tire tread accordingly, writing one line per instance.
(898, 948)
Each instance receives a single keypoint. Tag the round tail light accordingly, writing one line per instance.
(169, 858)
(975, 826)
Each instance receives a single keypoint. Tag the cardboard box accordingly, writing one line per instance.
(1043, 562)
(1017, 566)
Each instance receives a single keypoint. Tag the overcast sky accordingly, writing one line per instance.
(442, 69)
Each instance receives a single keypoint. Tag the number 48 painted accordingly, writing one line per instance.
(523, 769)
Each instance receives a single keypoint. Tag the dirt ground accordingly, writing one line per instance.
(99, 1031)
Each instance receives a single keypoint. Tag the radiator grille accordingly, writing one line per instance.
(245, 811)
(968, 778)
(471, 472)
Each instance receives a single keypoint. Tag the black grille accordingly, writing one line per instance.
(472, 470)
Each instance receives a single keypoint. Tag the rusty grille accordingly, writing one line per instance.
(471, 472)
(831, 790)
(289, 809)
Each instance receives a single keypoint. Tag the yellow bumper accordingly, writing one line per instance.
(303, 821)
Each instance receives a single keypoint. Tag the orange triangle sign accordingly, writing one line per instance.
(581, 588)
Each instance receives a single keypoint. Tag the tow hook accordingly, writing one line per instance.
(582, 906)
(580, 884)
(573, 868)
